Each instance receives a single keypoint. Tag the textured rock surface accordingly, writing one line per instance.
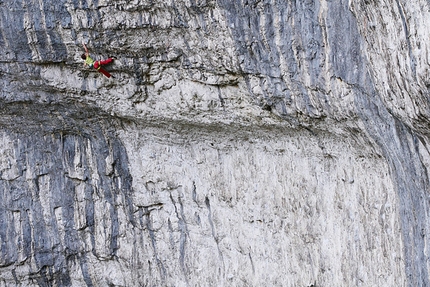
(242, 143)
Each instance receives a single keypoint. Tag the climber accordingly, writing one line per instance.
(96, 64)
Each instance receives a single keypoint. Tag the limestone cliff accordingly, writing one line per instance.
(242, 143)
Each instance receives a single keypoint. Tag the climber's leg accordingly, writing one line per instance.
(98, 64)
(105, 62)
(104, 72)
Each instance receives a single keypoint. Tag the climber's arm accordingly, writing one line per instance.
(86, 54)
(85, 47)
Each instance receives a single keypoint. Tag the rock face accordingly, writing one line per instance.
(242, 143)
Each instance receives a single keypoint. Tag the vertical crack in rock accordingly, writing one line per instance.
(184, 233)
(160, 265)
(252, 262)
(215, 237)
(83, 263)
(194, 193)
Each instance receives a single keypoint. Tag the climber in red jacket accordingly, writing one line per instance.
(96, 64)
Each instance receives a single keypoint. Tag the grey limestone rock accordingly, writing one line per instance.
(241, 143)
